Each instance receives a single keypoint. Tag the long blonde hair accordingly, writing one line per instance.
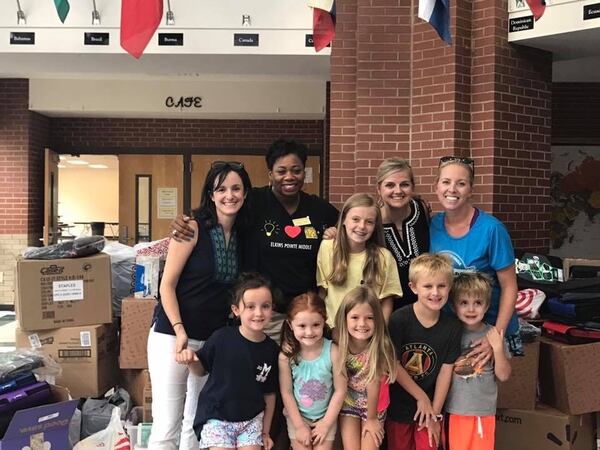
(382, 357)
(373, 270)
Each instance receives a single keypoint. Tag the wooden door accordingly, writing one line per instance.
(165, 201)
(255, 166)
(51, 230)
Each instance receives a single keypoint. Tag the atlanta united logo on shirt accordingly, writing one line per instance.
(418, 360)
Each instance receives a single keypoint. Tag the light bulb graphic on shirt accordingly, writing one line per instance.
(270, 228)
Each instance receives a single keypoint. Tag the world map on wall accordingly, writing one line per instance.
(575, 191)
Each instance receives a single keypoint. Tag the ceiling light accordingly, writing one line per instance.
(78, 162)
(98, 166)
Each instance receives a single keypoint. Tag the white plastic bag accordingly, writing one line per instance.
(112, 437)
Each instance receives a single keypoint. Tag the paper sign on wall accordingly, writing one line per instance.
(308, 175)
(63, 291)
(167, 203)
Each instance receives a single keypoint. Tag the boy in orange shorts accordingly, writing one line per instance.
(471, 401)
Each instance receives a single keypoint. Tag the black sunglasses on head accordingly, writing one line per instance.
(459, 159)
(233, 164)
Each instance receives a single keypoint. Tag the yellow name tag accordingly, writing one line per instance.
(301, 221)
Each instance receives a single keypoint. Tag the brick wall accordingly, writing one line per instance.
(575, 112)
(23, 136)
(398, 90)
(77, 134)
(515, 127)
(14, 155)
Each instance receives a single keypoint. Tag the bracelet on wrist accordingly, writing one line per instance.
(177, 323)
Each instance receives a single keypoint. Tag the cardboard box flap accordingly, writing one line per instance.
(136, 320)
(52, 420)
(543, 428)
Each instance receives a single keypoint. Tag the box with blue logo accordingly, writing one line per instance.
(42, 427)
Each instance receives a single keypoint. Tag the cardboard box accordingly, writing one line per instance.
(520, 390)
(45, 426)
(147, 404)
(136, 317)
(570, 376)
(570, 262)
(543, 428)
(87, 356)
(135, 382)
(63, 292)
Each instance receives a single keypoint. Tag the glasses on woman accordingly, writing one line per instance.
(459, 159)
(236, 165)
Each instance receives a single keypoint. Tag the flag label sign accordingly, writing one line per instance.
(308, 41)
(175, 39)
(520, 24)
(21, 38)
(95, 38)
(591, 11)
(245, 40)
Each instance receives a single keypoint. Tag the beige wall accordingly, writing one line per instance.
(88, 195)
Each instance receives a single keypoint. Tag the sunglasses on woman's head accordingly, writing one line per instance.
(233, 164)
(459, 159)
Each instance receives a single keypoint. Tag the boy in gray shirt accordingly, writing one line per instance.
(471, 401)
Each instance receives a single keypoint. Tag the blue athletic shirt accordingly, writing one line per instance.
(486, 248)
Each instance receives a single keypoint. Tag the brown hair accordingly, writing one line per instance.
(472, 284)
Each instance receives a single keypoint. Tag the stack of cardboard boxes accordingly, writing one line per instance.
(64, 309)
(566, 381)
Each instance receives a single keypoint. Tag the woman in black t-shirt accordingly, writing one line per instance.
(285, 231)
(194, 289)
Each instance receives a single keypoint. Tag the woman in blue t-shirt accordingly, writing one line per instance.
(476, 242)
(194, 290)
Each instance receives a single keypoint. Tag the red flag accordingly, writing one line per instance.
(323, 27)
(537, 7)
(139, 21)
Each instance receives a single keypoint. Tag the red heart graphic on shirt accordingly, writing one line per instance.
(292, 231)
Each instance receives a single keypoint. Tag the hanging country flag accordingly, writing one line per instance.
(139, 21)
(62, 8)
(437, 13)
(323, 22)
(537, 8)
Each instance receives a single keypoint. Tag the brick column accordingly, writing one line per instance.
(398, 90)
(22, 139)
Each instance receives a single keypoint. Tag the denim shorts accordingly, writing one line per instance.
(219, 433)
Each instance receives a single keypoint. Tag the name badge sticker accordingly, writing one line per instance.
(301, 221)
